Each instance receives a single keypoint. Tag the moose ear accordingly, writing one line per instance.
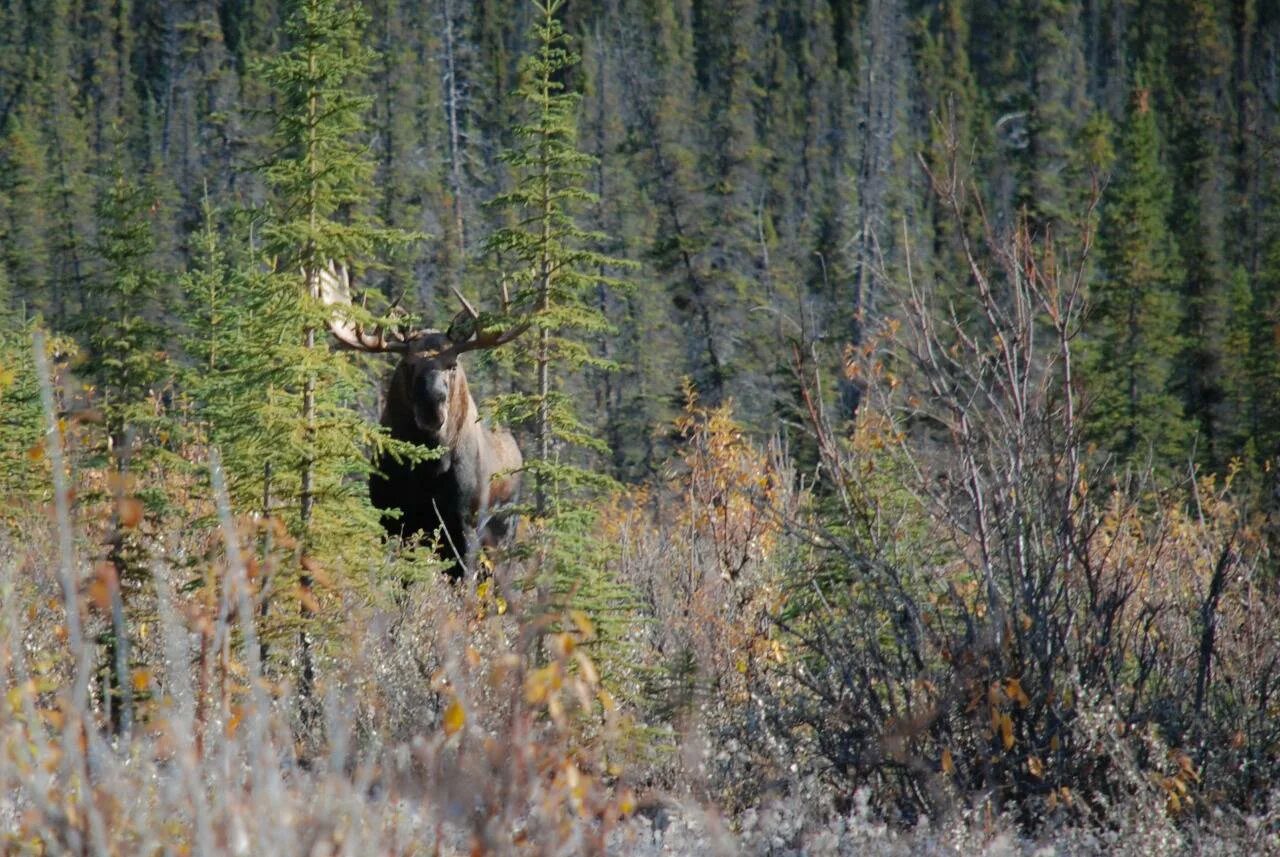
(462, 328)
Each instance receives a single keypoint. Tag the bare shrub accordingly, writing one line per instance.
(982, 611)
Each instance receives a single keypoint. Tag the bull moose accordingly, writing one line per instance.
(464, 495)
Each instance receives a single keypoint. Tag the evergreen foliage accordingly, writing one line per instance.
(982, 298)
(759, 160)
(554, 281)
(319, 178)
(23, 473)
(1134, 326)
(121, 321)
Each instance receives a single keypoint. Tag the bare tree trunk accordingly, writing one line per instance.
(880, 73)
(452, 99)
(306, 500)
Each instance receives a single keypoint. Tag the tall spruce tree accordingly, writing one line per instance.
(1134, 340)
(67, 193)
(554, 283)
(1199, 62)
(122, 325)
(1056, 111)
(320, 182)
(122, 321)
(24, 251)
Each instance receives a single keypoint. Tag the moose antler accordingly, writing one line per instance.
(465, 333)
(334, 289)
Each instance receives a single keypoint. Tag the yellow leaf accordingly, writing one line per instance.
(141, 679)
(454, 717)
(130, 512)
(237, 715)
(1006, 731)
(1035, 766)
(627, 802)
(539, 684)
(1188, 767)
(586, 667)
(555, 708)
(307, 599)
(1013, 690)
(104, 579)
(502, 605)
(562, 644)
(948, 764)
(482, 591)
(583, 622)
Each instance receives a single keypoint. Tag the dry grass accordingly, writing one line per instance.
(464, 720)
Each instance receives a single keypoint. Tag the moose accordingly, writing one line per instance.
(465, 494)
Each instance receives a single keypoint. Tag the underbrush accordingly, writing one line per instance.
(468, 719)
(792, 680)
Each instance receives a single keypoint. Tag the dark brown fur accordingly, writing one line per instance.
(460, 496)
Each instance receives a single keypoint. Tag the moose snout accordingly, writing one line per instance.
(431, 393)
(432, 390)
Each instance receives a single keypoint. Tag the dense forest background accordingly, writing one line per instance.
(899, 395)
(764, 163)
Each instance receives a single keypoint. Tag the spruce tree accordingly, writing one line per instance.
(956, 141)
(1057, 108)
(554, 283)
(320, 182)
(660, 72)
(1199, 61)
(122, 326)
(1264, 365)
(632, 399)
(122, 321)
(23, 472)
(24, 251)
(319, 179)
(68, 190)
(233, 345)
(1133, 327)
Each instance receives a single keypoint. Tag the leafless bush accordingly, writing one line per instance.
(985, 612)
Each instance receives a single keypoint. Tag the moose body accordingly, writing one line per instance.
(462, 494)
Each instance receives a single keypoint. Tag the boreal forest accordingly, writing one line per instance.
(771, 427)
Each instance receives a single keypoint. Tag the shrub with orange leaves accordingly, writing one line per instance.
(729, 487)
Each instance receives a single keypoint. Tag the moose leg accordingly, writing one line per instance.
(456, 543)
(498, 528)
